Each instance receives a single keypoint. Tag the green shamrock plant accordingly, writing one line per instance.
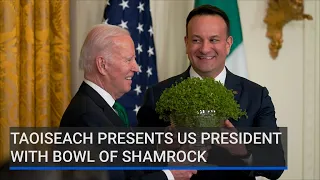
(196, 102)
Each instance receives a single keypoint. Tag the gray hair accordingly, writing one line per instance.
(98, 40)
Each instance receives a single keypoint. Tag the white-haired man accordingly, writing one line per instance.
(108, 60)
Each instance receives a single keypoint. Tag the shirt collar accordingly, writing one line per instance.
(104, 94)
(221, 77)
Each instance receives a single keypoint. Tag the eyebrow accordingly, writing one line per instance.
(197, 36)
(131, 57)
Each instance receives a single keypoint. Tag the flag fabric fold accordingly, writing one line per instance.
(236, 60)
(135, 16)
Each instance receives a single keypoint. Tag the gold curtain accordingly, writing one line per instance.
(34, 65)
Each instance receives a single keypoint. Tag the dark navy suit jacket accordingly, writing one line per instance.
(89, 109)
(254, 99)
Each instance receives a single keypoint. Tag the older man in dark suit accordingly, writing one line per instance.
(108, 60)
(207, 44)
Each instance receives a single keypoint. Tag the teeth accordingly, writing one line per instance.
(209, 57)
(128, 78)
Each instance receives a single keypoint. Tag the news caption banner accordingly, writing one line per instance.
(111, 148)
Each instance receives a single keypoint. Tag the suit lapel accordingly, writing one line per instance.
(183, 76)
(233, 83)
(108, 111)
(186, 74)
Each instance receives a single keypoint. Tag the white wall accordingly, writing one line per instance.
(84, 14)
(292, 79)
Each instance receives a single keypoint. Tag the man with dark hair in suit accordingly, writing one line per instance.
(108, 60)
(208, 43)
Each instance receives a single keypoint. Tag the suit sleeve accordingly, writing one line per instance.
(267, 154)
(92, 119)
(147, 116)
(140, 175)
(146, 112)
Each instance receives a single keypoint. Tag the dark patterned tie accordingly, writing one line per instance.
(121, 113)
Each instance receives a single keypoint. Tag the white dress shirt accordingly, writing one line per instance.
(103, 93)
(221, 77)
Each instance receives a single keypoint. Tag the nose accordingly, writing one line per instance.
(205, 47)
(135, 67)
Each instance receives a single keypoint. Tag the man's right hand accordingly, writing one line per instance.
(183, 174)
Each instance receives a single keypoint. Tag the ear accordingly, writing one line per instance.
(186, 43)
(101, 65)
(229, 44)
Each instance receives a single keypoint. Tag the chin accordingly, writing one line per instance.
(128, 89)
(205, 69)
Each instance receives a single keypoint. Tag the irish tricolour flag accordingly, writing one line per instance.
(236, 61)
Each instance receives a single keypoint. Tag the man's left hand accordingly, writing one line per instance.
(234, 149)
